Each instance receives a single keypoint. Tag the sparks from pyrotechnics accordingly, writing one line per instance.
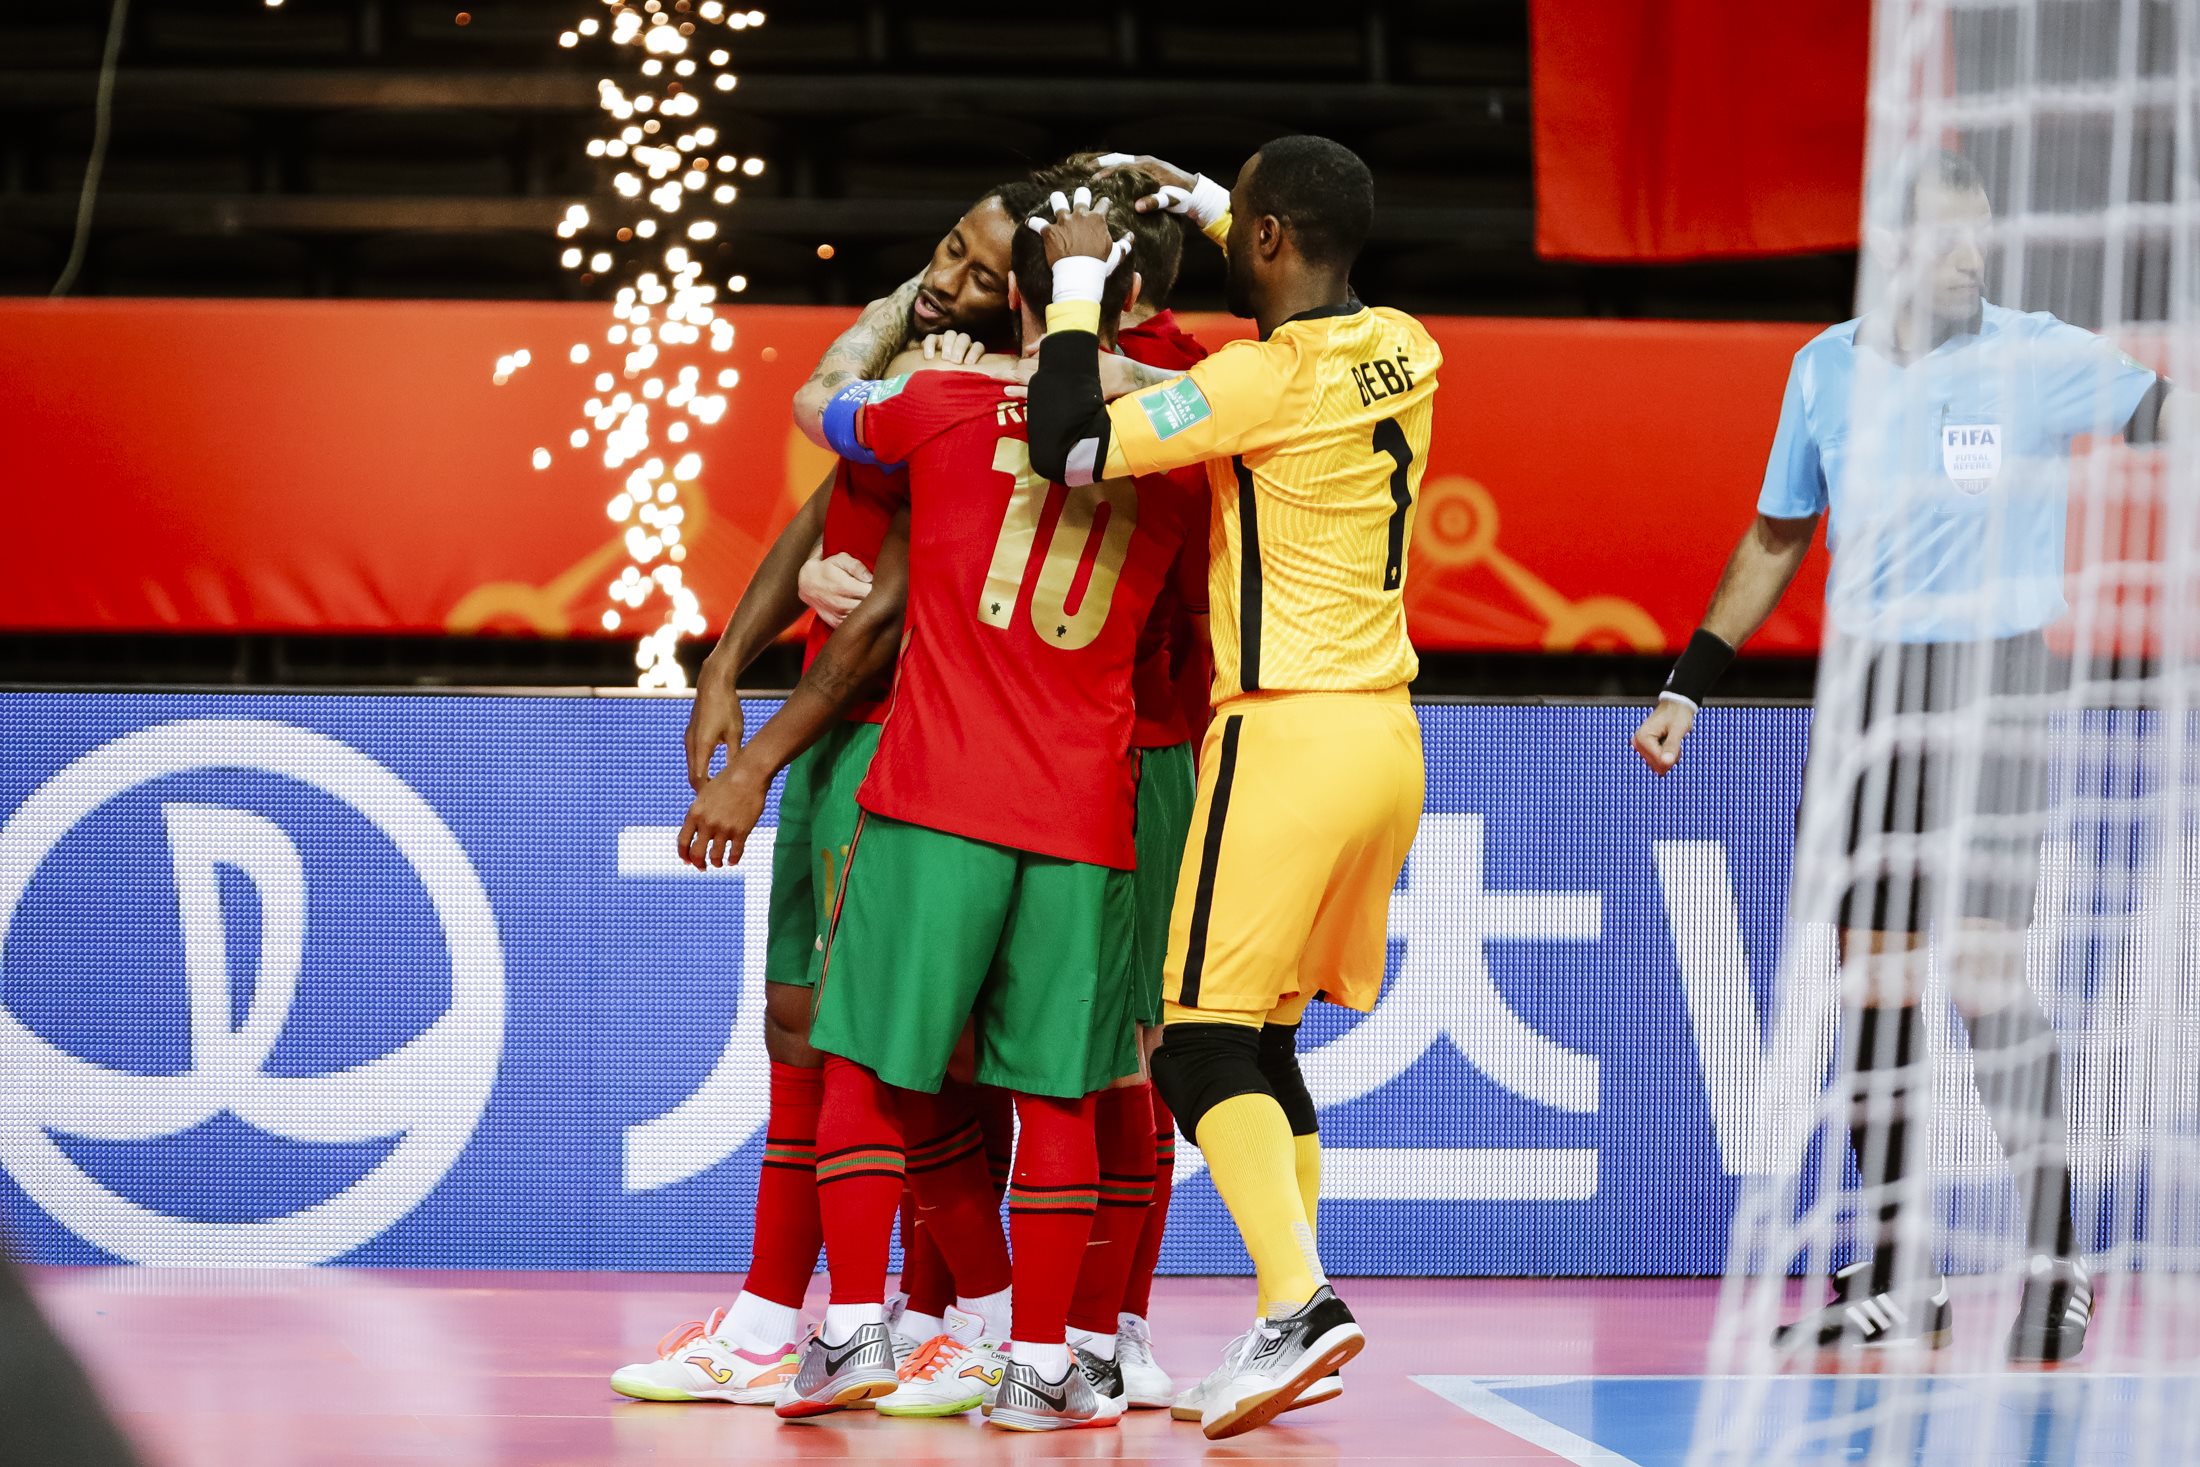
(667, 173)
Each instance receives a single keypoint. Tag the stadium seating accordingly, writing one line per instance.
(327, 121)
(202, 263)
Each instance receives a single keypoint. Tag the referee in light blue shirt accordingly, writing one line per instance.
(1934, 434)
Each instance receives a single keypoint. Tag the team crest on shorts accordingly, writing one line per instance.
(1971, 454)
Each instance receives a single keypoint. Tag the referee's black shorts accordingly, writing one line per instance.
(1955, 786)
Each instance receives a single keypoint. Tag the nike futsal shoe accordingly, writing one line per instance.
(948, 1374)
(1025, 1400)
(694, 1364)
(2054, 1314)
(1860, 1316)
(1105, 1376)
(1278, 1360)
(1146, 1385)
(834, 1377)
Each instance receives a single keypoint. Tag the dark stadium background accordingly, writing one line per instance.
(380, 148)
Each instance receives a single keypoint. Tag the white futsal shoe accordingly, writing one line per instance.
(1026, 1400)
(950, 1373)
(1275, 1363)
(694, 1364)
(1146, 1384)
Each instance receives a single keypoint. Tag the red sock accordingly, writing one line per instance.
(924, 1275)
(1123, 1124)
(783, 1249)
(997, 1118)
(859, 1179)
(955, 1199)
(1138, 1288)
(1050, 1204)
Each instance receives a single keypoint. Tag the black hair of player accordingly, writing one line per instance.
(1322, 192)
(1948, 170)
(1020, 198)
(1027, 256)
(1157, 238)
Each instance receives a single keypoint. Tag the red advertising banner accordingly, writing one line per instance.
(351, 466)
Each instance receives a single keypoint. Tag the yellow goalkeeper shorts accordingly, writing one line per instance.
(1308, 803)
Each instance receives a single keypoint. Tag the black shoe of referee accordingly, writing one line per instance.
(1868, 1316)
(2054, 1314)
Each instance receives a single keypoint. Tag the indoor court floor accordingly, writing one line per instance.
(346, 1367)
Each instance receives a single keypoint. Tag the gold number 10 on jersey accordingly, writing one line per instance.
(1004, 578)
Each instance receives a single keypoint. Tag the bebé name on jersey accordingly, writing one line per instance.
(1383, 377)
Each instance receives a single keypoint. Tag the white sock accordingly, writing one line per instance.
(756, 1324)
(921, 1327)
(993, 1309)
(843, 1320)
(1052, 1361)
(1092, 1344)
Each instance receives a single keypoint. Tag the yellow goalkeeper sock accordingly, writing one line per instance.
(1310, 1178)
(1250, 1154)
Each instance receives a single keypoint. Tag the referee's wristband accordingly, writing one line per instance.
(1699, 669)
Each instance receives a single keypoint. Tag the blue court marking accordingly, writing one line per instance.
(2008, 1420)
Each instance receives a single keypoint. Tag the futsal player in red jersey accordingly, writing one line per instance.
(743, 1354)
(990, 876)
(1135, 1133)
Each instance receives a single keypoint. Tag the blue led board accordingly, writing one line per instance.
(416, 980)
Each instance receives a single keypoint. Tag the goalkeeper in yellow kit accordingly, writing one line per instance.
(1315, 438)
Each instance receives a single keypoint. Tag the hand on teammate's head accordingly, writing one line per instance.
(1166, 177)
(1079, 226)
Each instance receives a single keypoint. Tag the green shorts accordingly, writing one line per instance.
(817, 822)
(1168, 788)
(935, 930)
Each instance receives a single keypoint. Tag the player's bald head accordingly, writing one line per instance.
(1319, 190)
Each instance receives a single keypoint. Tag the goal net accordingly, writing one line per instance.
(1983, 1058)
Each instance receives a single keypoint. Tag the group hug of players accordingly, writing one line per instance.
(1018, 934)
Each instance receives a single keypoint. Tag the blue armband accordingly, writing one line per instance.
(840, 423)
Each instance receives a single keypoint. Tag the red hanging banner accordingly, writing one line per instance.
(1689, 129)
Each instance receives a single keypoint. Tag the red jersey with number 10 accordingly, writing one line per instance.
(1011, 719)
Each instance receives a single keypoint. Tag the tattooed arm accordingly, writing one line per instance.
(859, 353)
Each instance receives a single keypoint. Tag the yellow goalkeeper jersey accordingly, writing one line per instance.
(1315, 441)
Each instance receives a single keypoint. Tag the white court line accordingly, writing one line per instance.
(1475, 1399)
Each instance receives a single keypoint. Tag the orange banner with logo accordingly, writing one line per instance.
(352, 466)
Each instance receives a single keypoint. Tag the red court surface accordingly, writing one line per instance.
(354, 1366)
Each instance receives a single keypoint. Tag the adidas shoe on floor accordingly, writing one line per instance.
(1860, 1316)
(2055, 1312)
